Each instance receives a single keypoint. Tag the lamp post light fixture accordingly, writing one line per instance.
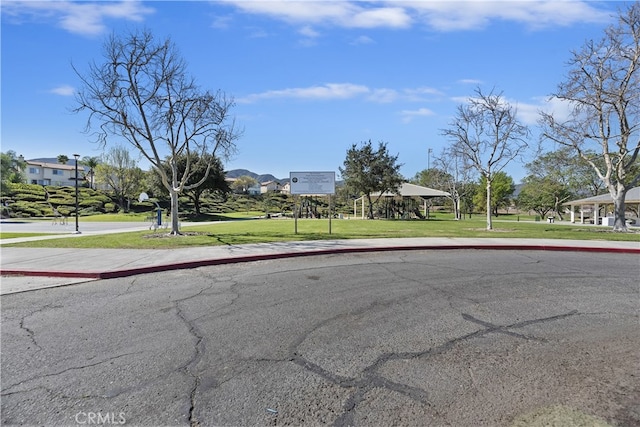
(76, 156)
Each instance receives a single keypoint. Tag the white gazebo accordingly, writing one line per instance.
(405, 190)
(592, 205)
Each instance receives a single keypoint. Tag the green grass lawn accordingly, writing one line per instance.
(142, 217)
(275, 230)
(18, 235)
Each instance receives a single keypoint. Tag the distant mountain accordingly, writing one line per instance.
(235, 173)
(54, 160)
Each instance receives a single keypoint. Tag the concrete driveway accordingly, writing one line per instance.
(462, 338)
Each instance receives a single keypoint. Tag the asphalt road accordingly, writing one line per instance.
(461, 338)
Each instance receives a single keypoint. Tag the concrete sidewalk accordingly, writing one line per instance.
(26, 269)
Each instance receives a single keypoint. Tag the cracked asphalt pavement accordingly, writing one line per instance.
(460, 338)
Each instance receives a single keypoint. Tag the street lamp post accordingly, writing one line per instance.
(76, 156)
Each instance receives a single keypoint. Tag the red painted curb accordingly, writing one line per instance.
(38, 273)
(264, 257)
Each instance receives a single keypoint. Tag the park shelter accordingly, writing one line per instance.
(590, 206)
(406, 190)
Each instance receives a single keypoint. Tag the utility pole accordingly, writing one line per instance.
(76, 157)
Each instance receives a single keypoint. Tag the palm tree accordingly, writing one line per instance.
(91, 163)
(63, 159)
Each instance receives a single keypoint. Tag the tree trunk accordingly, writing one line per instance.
(175, 229)
(456, 207)
(558, 208)
(196, 203)
(489, 220)
(370, 206)
(619, 223)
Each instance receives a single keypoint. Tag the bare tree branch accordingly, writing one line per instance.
(142, 93)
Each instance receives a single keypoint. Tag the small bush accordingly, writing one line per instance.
(28, 209)
(92, 202)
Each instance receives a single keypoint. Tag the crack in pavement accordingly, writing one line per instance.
(31, 333)
(199, 350)
(74, 368)
(371, 379)
(128, 289)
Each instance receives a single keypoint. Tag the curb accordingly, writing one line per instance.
(265, 257)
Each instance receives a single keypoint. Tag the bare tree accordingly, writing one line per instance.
(456, 179)
(486, 134)
(603, 92)
(142, 93)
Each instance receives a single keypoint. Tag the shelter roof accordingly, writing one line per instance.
(412, 190)
(632, 196)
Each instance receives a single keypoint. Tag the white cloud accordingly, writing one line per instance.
(309, 32)
(422, 94)
(221, 22)
(383, 95)
(330, 91)
(409, 115)
(437, 15)
(529, 112)
(64, 90)
(560, 109)
(470, 81)
(86, 18)
(324, 92)
(362, 40)
(393, 17)
(347, 14)
(450, 16)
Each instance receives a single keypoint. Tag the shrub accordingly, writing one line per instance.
(28, 209)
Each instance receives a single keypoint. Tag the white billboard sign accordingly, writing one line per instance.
(312, 183)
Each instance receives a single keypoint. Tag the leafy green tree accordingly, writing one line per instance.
(542, 195)
(12, 169)
(432, 178)
(502, 189)
(120, 173)
(438, 179)
(243, 183)
(602, 89)
(367, 170)
(467, 192)
(555, 177)
(214, 180)
(566, 168)
(487, 135)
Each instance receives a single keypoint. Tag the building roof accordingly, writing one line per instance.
(412, 190)
(51, 165)
(632, 196)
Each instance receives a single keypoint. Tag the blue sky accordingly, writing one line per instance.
(309, 78)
